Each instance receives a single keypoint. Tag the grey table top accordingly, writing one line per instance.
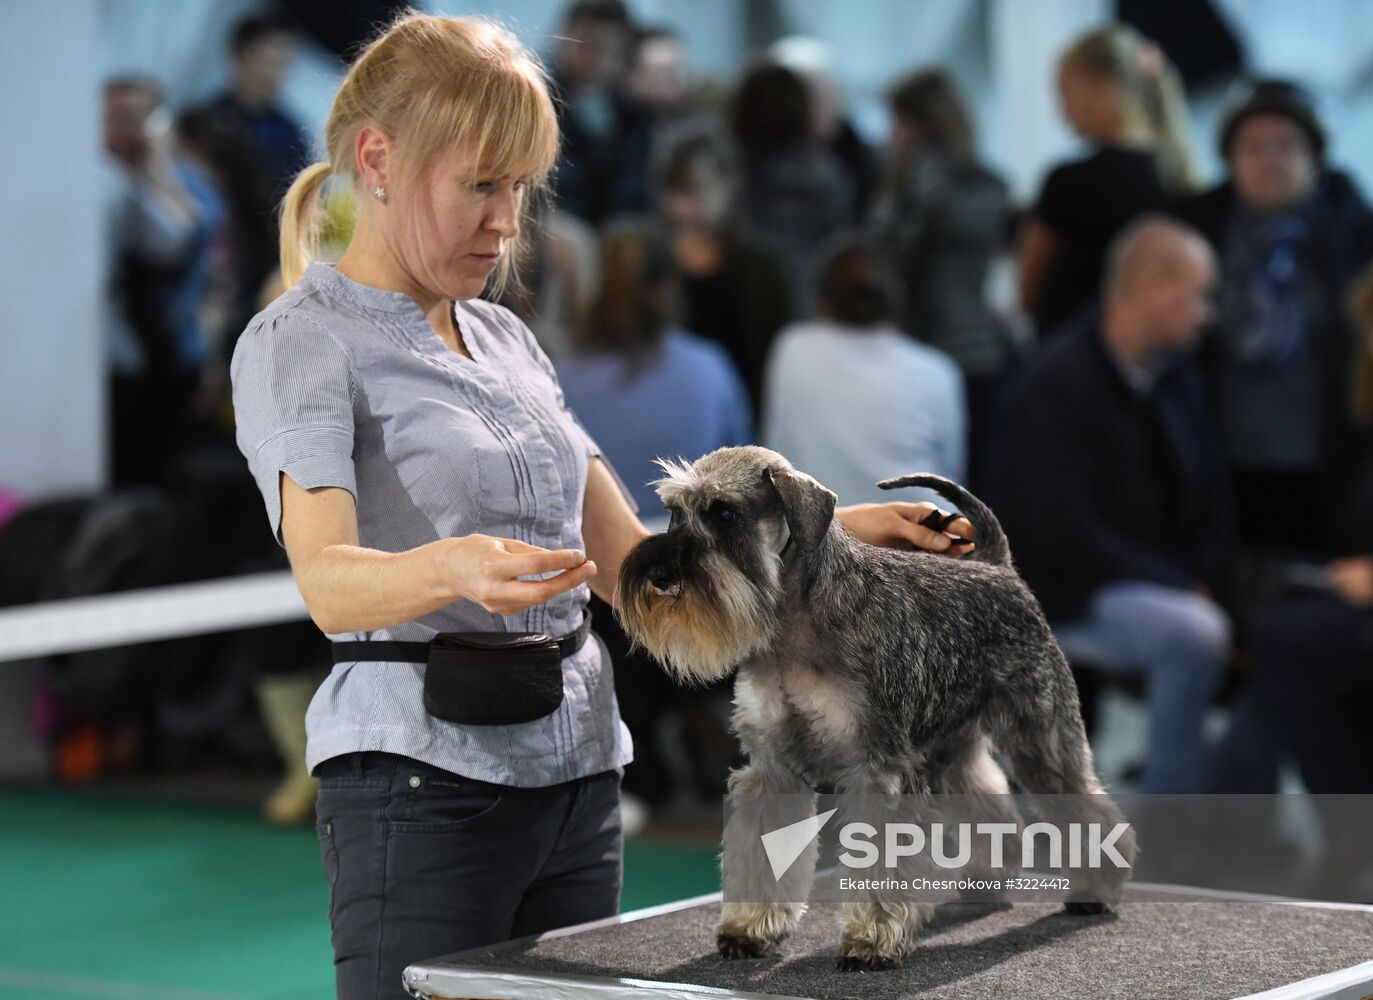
(1165, 942)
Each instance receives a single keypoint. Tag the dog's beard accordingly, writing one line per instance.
(699, 632)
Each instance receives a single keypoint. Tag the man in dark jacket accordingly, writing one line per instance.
(1290, 234)
(603, 163)
(1113, 490)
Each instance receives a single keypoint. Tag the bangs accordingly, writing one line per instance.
(524, 141)
(458, 111)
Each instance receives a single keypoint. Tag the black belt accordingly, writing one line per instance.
(390, 651)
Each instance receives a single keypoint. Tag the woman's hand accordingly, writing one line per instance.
(1352, 579)
(897, 526)
(486, 571)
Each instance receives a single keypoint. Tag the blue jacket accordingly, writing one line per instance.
(1100, 482)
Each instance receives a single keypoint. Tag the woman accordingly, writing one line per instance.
(417, 463)
(850, 398)
(1120, 94)
(734, 288)
(942, 221)
(796, 191)
(642, 385)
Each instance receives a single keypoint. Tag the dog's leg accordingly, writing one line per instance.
(975, 775)
(763, 909)
(1040, 733)
(878, 932)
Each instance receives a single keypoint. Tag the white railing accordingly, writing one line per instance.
(156, 613)
(149, 615)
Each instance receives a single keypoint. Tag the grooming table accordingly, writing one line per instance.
(1166, 942)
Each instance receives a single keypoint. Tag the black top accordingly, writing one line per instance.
(741, 307)
(1354, 530)
(942, 227)
(1101, 482)
(1085, 203)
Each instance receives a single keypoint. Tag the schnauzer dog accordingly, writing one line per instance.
(878, 672)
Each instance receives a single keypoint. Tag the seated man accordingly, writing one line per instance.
(1113, 490)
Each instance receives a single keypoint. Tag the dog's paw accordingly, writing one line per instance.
(738, 946)
(866, 963)
(858, 955)
(1086, 907)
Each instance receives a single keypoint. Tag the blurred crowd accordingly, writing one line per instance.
(1163, 383)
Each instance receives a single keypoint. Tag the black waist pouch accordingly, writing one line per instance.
(493, 678)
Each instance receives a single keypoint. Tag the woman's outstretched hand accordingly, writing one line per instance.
(487, 571)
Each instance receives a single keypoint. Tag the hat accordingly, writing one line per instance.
(1274, 97)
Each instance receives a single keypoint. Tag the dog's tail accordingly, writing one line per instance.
(991, 540)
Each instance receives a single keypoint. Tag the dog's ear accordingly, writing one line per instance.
(806, 504)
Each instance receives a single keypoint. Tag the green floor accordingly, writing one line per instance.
(108, 898)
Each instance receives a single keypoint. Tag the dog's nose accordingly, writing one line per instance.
(661, 579)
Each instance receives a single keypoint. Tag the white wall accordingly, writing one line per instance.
(51, 348)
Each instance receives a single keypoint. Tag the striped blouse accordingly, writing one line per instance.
(340, 384)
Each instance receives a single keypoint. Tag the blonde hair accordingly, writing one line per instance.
(431, 84)
(1151, 91)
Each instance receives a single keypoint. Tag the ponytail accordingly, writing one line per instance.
(1151, 91)
(299, 222)
(1165, 110)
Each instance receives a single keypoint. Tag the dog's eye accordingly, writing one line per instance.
(721, 512)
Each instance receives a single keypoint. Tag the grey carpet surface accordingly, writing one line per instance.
(1165, 950)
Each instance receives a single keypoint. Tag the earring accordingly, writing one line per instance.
(380, 192)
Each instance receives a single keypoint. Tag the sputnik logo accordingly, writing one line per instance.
(785, 844)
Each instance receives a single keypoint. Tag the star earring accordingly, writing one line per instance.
(380, 192)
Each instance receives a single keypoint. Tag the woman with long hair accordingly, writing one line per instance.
(642, 384)
(942, 219)
(734, 287)
(796, 192)
(1119, 93)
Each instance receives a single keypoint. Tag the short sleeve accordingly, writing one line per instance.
(293, 408)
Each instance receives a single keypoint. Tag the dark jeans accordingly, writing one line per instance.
(422, 862)
(1309, 695)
